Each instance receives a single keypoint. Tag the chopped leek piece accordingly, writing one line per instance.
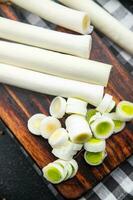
(119, 126)
(76, 106)
(125, 110)
(95, 145)
(103, 127)
(90, 113)
(77, 147)
(105, 103)
(48, 126)
(58, 107)
(111, 106)
(63, 164)
(67, 165)
(58, 138)
(65, 152)
(69, 171)
(93, 158)
(74, 165)
(78, 129)
(34, 123)
(53, 173)
(94, 117)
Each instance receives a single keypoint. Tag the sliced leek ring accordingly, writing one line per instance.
(95, 145)
(54, 173)
(77, 147)
(58, 107)
(78, 129)
(58, 138)
(90, 113)
(76, 106)
(94, 158)
(103, 127)
(64, 152)
(48, 126)
(111, 106)
(119, 126)
(103, 106)
(59, 154)
(34, 123)
(94, 117)
(74, 165)
(63, 164)
(66, 165)
(69, 171)
(125, 110)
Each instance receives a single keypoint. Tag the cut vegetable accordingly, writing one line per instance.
(76, 106)
(51, 11)
(74, 165)
(119, 126)
(95, 145)
(64, 152)
(111, 106)
(105, 103)
(125, 110)
(78, 129)
(48, 126)
(69, 171)
(94, 158)
(50, 84)
(103, 127)
(104, 22)
(58, 107)
(57, 152)
(63, 164)
(77, 147)
(90, 113)
(54, 173)
(94, 117)
(67, 166)
(54, 63)
(78, 45)
(58, 138)
(34, 123)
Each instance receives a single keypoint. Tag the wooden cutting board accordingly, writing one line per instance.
(17, 105)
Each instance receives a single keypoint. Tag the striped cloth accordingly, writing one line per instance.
(119, 184)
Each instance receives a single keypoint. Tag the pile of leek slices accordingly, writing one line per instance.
(84, 128)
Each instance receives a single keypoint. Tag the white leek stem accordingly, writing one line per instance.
(74, 20)
(104, 22)
(49, 62)
(78, 45)
(51, 85)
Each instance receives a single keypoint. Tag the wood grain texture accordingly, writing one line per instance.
(17, 105)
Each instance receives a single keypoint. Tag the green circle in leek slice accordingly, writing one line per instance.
(54, 173)
(90, 113)
(119, 126)
(103, 127)
(93, 158)
(66, 166)
(95, 145)
(125, 110)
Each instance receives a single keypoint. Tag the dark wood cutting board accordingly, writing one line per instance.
(17, 105)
